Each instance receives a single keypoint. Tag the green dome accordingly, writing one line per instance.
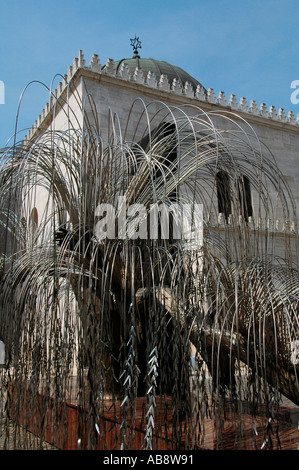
(159, 67)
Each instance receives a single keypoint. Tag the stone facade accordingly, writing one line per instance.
(109, 92)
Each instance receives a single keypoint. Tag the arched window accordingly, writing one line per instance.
(223, 193)
(166, 134)
(164, 138)
(33, 221)
(245, 198)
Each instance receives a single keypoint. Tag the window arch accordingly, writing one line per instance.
(164, 136)
(245, 198)
(33, 221)
(223, 193)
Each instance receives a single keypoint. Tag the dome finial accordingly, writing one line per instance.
(136, 44)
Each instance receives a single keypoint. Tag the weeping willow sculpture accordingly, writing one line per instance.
(107, 324)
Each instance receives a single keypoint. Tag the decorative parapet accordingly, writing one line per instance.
(138, 76)
(94, 64)
(188, 90)
(176, 87)
(151, 80)
(200, 93)
(70, 73)
(276, 226)
(222, 99)
(243, 105)
(233, 102)
(253, 109)
(163, 84)
(291, 118)
(109, 68)
(211, 96)
(282, 115)
(81, 60)
(272, 113)
(263, 110)
(124, 72)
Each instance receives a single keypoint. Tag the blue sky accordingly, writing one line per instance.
(249, 47)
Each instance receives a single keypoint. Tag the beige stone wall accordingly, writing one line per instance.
(116, 103)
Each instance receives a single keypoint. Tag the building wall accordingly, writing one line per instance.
(116, 104)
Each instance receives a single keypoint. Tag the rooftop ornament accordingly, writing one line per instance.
(136, 44)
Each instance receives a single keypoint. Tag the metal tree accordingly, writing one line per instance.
(121, 317)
